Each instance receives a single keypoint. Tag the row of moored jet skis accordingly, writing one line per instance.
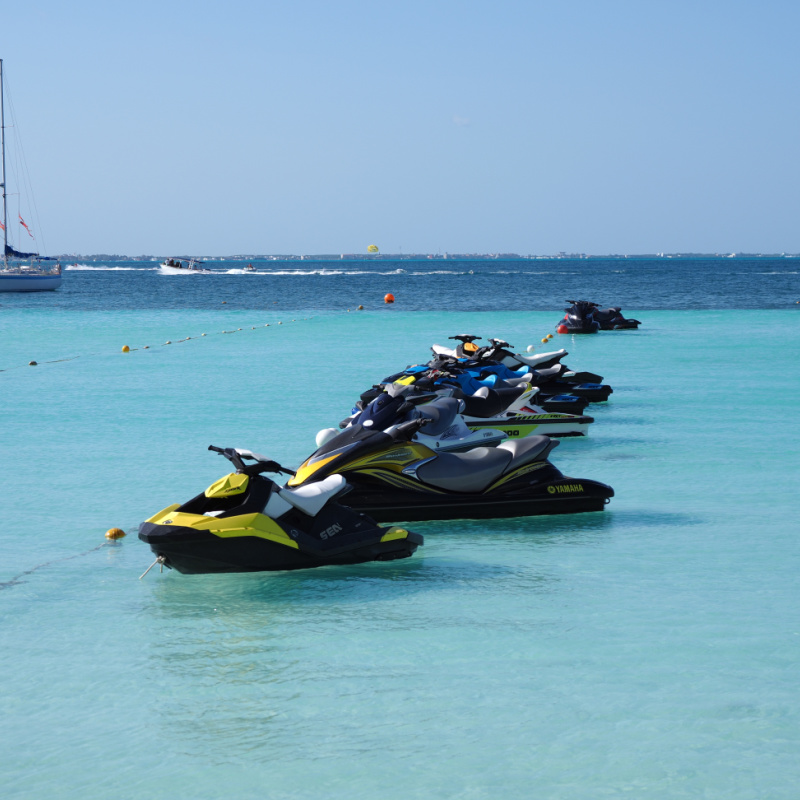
(456, 438)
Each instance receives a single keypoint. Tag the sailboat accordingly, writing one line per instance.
(15, 274)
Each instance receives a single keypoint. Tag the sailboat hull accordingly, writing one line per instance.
(28, 283)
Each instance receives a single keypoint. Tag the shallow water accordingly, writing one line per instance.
(649, 650)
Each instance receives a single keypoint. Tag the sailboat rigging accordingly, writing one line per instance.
(16, 276)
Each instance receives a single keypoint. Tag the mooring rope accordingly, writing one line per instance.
(15, 581)
(148, 347)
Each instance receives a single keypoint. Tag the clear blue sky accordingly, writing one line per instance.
(322, 127)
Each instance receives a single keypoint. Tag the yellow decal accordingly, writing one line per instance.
(517, 473)
(394, 460)
(565, 488)
(258, 525)
(228, 486)
(308, 468)
(394, 533)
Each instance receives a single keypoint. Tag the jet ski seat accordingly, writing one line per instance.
(486, 403)
(441, 413)
(472, 471)
(550, 372)
(309, 498)
(531, 448)
(532, 361)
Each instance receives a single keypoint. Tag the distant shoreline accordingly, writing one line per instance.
(367, 257)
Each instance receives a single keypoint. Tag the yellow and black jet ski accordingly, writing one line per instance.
(245, 522)
(395, 478)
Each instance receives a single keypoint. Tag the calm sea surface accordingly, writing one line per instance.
(432, 285)
(648, 651)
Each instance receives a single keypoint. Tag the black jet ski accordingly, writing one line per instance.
(485, 403)
(395, 478)
(245, 522)
(450, 427)
(611, 319)
(579, 318)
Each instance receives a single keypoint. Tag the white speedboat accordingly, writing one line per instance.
(15, 274)
(175, 266)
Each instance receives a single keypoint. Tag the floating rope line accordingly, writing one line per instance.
(147, 346)
(15, 581)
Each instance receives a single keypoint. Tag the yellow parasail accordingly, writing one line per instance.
(373, 248)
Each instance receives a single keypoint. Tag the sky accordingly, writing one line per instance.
(237, 127)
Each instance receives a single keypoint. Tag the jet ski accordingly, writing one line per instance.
(579, 318)
(450, 427)
(495, 352)
(245, 522)
(499, 352)
(510, 410)
(396, 478)
(485, 370)
(445, 430)
(611, 319)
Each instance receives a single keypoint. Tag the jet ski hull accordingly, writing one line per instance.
(562, 403)
(192, 552)
(591, 392)
(522, 425)
(564, 496)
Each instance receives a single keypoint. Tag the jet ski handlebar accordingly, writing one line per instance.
(406, 430)
(463, 337)
(263, 464)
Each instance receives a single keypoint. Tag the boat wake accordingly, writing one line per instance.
(87, 268)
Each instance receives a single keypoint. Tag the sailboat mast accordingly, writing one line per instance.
(3, 149)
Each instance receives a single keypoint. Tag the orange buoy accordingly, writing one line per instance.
(562, 329)
(389, 298)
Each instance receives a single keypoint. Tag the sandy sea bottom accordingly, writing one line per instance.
(647, 651)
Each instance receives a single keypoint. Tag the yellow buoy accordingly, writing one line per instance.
(125, 349)
(224, 301)
(202, 334)
(280, 323)
(168, 342)
(544, 341)
(146, 347)
(361, 308)
(115, 533)
(33, 364)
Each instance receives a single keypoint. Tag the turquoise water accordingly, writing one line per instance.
(647, 651)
